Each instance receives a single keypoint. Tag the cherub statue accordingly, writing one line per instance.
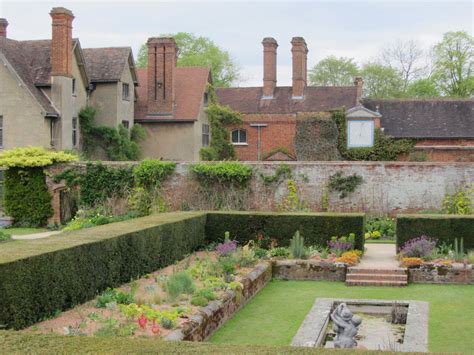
(345, 326)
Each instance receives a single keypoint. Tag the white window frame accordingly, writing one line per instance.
(205, 135)
(239, 141)
(74, 131)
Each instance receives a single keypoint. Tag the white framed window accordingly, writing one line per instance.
(125, 91)
(74, 131)
(360, 133)
(205, 135)
(239, 136)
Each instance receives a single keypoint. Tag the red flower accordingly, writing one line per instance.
(155, 329)
(142, 321)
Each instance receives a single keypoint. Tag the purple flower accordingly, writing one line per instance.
(226, 248)
(336, 245)
(418, 247)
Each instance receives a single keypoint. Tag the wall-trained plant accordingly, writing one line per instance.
(27, 199)
(344, 185)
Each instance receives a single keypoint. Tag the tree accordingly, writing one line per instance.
(200, 51)
(381, 81)
(422, 88)
(407, 58)
(454, 64)
(333, 71)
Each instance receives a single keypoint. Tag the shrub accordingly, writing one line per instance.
(418, 247)
(460, 202)
(297, 248)
(150, 173)
(199, 301)
(470, 256)
(33, 157)
(180, 283)
(233, 173)
(226, 248)
(338, 245)
(207, 293)
(167, 323)
(444, 228)
(350, 258)
(381, 227)
(4, 236)
(279, 252)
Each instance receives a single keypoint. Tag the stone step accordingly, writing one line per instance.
(381, 277)
(375, 283)
(357, 270)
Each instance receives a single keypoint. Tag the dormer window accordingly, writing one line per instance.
(239, 136)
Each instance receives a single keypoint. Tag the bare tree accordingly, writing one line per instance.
(408, 58)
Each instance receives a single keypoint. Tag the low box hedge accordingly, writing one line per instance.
(39, 277)
(445, 228)
(316, 228)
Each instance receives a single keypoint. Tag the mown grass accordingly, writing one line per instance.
(24, 231)
(276, 313)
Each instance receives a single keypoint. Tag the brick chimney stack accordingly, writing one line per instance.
(299, 52)
(162, 55)
(359, 83)
(61, 44)
(269, 67)
(3, 27)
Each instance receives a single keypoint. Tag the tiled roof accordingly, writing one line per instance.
(316, 99)
(190, 85)
(429, 118)
(106, 64)
(31, 61)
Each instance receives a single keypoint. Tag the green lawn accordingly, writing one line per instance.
(23, 231)
(276, 313)
(380, 241)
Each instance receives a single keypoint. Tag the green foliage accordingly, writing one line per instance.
(179, 283)
(32, 157)
(454, 64)
(112, 295)
(381, 81)
(279, 252)
(167, 323)
(207, 293)
(422, 88)
(459, 253)
(297, 248)
(63, 271)
(385, 226)
(292, 202)
(27, 199)
(220, 147)
(283, 172)
(231, 173)
(200, 301)
(201, 52)
(316, 227)
(444, 228)
(149, 173)
(333, 71)
(460, 202)
(344, 185)
(118, 143)
(4, 237)
(385, 148)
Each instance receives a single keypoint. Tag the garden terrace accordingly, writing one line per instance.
(40, 277)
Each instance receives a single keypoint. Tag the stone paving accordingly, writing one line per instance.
(379, 256)
(35, 235)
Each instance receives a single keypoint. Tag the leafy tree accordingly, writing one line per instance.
(454, 64)
(200, 51)
(422, 88)
(381, 81)
(333, 71)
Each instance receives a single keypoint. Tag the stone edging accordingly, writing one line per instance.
(308, 270)
(440, 274)
(216, 313)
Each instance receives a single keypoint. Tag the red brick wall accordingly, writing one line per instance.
(280, 132)
(457, 150)
(61, 42)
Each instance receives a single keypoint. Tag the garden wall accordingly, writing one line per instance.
(389, 187)
(444, 228)
(308, 270)
(439, 274)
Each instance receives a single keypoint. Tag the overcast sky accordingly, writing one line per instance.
(357, 29)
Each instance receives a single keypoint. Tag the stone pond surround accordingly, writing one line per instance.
(211, 317)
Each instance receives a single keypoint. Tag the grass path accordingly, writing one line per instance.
(275, 314)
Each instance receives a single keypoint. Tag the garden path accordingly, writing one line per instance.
(35, 235)
(379, 256)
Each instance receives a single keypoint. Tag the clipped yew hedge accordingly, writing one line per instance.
(316, 228)
(445, 228)
(39, 277)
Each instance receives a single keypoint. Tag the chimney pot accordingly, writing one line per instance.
(3, 27)
(162, 55)
(299, 52)
(270, 46)
(61, 42)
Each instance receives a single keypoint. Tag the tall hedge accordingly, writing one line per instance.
(45, 275)
(27, 199)
(316, 228)
(445, 228)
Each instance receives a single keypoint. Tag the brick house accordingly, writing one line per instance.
(171, 104)
(45, 83)
(270, 112)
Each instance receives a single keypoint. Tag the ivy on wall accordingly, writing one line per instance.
(118, 143)
(385, 148)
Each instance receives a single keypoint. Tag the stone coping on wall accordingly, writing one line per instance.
(216, 313)
(308, 270)
(313, 329)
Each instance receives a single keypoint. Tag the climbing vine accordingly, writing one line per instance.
(118, 143)
(283, 172)
(385, 148)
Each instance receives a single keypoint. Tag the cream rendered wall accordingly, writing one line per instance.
(202, 119)
(125, 108)
(104, 99)
(24, 123)
(170, 141)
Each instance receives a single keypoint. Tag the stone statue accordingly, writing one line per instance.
(345, 326)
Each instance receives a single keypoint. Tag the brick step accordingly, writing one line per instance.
(375, 283)
(381, 277)
(398, 271)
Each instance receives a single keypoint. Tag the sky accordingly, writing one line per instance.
(350, 28)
